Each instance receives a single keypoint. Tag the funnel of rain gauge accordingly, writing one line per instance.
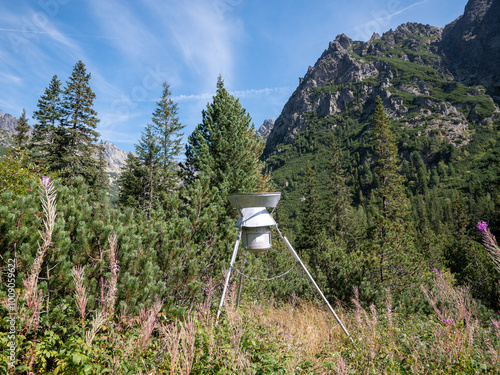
(255, 221)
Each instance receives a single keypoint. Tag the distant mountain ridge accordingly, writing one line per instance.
(418, 70)
(265, 129)
(114, 156)
(7, 122)
(439, 88)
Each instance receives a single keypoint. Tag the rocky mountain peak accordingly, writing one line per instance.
(114, 156)
(265, 128)
(7, 122)
(415, 69)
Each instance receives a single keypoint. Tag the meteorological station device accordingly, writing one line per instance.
(254, 233)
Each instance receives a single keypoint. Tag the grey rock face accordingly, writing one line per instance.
(7, 122)
(265, 128)
(114, 157)
(471, 45)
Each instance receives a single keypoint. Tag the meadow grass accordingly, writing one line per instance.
(259, 337)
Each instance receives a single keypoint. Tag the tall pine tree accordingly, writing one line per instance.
(389, 194)
(21, 135)
(222, 158)
(167, 129)
(152, 176)
(80, 137)
(313, 216)
(47, 143)
(339, 197)
(225, 148)
(148, 152)
(394, 261)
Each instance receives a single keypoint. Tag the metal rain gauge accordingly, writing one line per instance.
(254, 233)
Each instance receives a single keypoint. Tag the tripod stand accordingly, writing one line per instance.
(241, 230)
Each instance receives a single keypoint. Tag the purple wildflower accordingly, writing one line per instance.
(45, 181)
(482, 225)
(447, 321)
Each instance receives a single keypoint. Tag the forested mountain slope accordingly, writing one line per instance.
(438, 88)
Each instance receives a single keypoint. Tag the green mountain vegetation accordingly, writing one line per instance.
(388, 168)
(436, 158)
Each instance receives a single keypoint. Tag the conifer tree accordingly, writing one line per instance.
(312, 215)
(130, 182)
(80, 134)
(47, 144)
(338, 200)
(225, 148)
(21, 136)
(99, 178)
(389, 194)
(152, 176)
(395, 262)
(148, 152)
(167, 128)
(222, 157)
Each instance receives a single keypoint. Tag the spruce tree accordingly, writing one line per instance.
(47, 143)
(312, 215)
(389, 194)
(394, 261)
(130, 182)
(339, 196)
(225, 148)
(222, 157)
(21, 136)
(167, 128)
(148, 152)
(152, 177)
(80, 136)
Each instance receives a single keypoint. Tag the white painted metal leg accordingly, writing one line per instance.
(295, 255)
(233, 259)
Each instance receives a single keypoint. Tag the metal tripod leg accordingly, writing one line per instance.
(240, 285)
(294, 254)
(233, 259)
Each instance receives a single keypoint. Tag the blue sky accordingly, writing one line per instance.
(259, 47)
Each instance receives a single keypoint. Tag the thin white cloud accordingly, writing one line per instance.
(408, 8)
(207, 42)
(10, 78)
(381, 20)
(55, 35)
(125, 28)
(260, 92)
(194, 97)
(238, 94)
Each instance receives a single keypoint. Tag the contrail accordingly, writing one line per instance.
(49, 33)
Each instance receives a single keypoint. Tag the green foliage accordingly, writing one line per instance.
(167, 128)
(80, 135)
(224, 147)
(389, 195)
(65, 137)
(148, 155)
(46, 143)
(17, 173)
(313, 214)
(21, 136)
(149, 178)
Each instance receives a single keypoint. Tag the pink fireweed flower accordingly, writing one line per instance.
(45, 181)
(490, 243)
(482, 225)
